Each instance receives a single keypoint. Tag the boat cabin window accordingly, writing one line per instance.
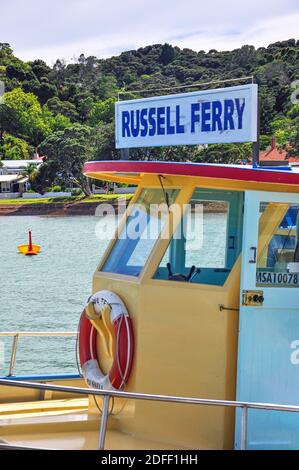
(143, 227)
(278, 245)
(208, 240)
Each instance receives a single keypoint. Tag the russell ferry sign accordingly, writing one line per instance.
(203, 117)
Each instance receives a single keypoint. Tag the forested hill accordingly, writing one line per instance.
(67, 110)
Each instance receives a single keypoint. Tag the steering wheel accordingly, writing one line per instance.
(182, 277)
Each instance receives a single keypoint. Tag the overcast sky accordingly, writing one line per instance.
(51, 29)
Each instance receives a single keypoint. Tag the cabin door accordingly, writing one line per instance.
(268, 347)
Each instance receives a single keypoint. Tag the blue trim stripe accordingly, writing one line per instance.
(40, 377)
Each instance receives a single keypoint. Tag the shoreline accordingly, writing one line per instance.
(72, 208)
(59, 209)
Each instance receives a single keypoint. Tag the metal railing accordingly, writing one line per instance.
(6, 446)
(107, 394)
(16, 335)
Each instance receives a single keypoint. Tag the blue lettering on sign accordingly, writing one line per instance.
(216, 116)
(195, 107)
(152, 122)
(160, 120)
(143, 122)
(169, 128)
(135, 123)
(240, 111)
(126, 124)
(228, 115)
(180, 129)
(205, 116)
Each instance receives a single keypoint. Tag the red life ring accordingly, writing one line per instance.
(123, 342)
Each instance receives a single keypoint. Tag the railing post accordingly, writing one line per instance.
(244, 419)
(104, 420)
(13, 355)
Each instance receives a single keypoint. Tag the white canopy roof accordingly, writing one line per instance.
(16, 164)
(12, 178)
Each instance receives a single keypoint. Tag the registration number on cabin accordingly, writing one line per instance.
(277, 279)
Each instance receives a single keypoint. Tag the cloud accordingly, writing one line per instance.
(261, 34)
(63, 29)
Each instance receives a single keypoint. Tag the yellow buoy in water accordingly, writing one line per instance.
(30, 249)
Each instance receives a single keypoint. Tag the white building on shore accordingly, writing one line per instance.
(13, 178)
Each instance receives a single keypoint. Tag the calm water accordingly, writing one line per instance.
(48, 292)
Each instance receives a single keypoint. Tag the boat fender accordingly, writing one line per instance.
(106, 314)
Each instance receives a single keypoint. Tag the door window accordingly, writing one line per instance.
(278, 246)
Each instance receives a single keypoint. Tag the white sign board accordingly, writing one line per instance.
(221, 115)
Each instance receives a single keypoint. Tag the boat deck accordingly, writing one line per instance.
(63, 424)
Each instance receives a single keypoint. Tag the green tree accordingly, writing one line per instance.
(19, 71)
(31, 121)
(104, 143)
(5, 50)
(84, 106)
(106, 87)
(102, 111)
(56, 106)
(40, 69)
(224, 153)
(8, 121)
(59, 122)
(67, 151)
(294, 112)
(286, 131)
(45, 91)
(13, 148)
(167, 54)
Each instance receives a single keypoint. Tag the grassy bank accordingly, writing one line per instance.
(63, 200)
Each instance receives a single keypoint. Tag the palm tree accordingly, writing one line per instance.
(31, 171)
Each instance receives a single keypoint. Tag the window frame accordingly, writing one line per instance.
(235, 200)
(122, 224)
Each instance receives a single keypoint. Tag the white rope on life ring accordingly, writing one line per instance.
(109, 307)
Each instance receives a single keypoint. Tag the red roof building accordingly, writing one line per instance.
(275, 155)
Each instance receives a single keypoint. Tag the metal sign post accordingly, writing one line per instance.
(125, 154)
(256, 145)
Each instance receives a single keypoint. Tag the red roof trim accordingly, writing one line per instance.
(193, 169)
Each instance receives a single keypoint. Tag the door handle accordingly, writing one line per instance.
(232, 239)
(253, 259)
